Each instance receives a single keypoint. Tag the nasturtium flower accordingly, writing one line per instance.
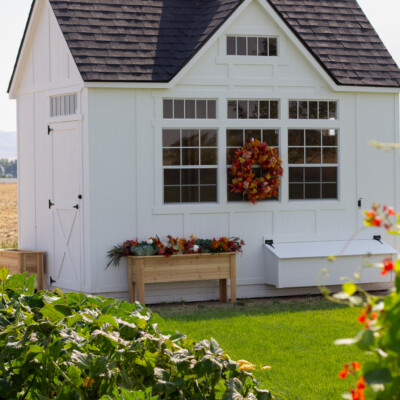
(344, 372)
(387, 266)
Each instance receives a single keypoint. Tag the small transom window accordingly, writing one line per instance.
(189, 109)
(63, 105)
(311, 109)
(253, 109)
(251, 46)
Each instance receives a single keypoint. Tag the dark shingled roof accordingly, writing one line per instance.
(342, 40)
(137, 40)
(152, 40)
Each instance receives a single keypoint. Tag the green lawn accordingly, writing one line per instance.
(293, 336)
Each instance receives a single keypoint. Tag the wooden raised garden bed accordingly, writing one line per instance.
(182, 268)
(19, 261)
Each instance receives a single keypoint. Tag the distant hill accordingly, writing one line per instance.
(8, 144)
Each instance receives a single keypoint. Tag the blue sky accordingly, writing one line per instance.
(383, 14)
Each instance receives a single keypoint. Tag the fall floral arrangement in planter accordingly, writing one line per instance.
(155, 247)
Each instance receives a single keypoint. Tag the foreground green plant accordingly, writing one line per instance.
(58, 345)
(378, 379)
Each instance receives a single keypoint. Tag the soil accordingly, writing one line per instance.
(8, 213)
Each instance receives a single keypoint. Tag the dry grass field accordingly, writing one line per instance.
(8, 213)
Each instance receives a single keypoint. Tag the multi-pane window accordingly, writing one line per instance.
(305, 109)
(236, 138)
(63, 105)
(190, 165)
(189, 109)
(253, 109)
(251, 46)
(313, 163)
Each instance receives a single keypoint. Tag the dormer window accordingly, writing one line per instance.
(251, 46)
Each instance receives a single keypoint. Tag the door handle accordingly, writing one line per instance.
(76, 206)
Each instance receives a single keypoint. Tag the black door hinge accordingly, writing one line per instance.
(359, 202)
(50, 204)
(52, 280)
(49, 130)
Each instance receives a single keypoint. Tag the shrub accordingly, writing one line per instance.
(56, 345)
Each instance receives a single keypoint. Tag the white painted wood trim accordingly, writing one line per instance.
(29, 35)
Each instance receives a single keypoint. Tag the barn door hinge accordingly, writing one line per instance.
(49, 130)
(269, 243)
(50, 204)
(359, 202)
(378, 238)
(76, 206)
(52, 280)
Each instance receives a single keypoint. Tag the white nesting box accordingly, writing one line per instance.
(300, 264)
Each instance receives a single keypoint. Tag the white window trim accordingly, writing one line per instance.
(222, 123)
(320, 165)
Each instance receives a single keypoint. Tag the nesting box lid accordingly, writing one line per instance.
(335, 248)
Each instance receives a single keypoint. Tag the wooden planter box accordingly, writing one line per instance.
(182, 268)
(19, 261)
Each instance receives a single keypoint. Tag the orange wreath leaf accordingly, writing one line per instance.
(244, 180)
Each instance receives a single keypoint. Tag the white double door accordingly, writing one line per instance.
(65, 256)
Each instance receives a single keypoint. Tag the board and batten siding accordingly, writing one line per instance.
(45, 69)
(126, 175)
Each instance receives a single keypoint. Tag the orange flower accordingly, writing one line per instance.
(391, 211)
(215, 244)
(182, 244)
(387, 266)
(358, 393)
(363, 317)
(356, 366)
(361, 384)
(374, 315)
(88, 382)
(344, 372)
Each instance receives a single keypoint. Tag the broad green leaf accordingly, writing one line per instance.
(349, 287)
(50, 312)
(74, 373)
(108, 319)
(65, 310)
(397, 265)
(262, 394)
(378, 376)
(367, 339)
(33, 348)
(162, 374)
(3, 274)
(234, 389)
(80, 359)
